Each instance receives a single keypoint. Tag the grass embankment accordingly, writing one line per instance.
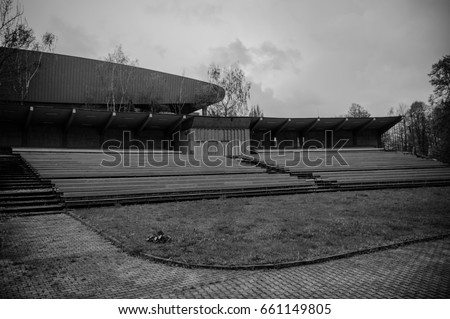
(240, 231)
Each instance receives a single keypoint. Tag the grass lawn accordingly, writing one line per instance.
(241, 231)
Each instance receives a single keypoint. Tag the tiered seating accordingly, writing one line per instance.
(393, 177)
(353, 159)
(82, 180)
(59, 164)
(357, 168)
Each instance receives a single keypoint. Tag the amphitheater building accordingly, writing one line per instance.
(69, 135)
(69, 105)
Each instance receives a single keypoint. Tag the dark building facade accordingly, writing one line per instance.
(62, 127)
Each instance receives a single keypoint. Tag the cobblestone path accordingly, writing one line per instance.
(56, 256)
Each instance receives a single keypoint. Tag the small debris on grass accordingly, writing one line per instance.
(159, 238)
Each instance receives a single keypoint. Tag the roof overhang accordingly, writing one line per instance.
(138, 121)
(304, 125)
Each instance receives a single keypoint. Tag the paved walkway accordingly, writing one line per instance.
(56, 256)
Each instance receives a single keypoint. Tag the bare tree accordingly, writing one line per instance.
(425, 129)
(19, 67)
(256, 111)
(14, 30)
(420, 127)
(115, 73)
(237, 91)
(181, 97)
(414, 132)
(27, 64)
(440, 100)
(357, 110)
(399, 136)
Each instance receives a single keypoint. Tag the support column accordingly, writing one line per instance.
(67, 126)
(26, 126)
(105, 127)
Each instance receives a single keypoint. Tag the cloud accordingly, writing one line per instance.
(232, 53)
(186, 11)
(267, 56)
(160, 50)
(74, 40)
(276, 59)
(266, 65)
(301, 103)
(265, 98)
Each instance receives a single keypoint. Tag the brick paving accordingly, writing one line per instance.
(56, 256)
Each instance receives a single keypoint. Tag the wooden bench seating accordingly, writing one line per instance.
(102, 188)
(81, 179)
(73, 165)
(353, 161)
(363, 167)
(386, 175)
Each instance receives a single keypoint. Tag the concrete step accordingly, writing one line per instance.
(8, 173)
(26, 197)
(22, 203)
(24, 183)
(26, 192)
(23, 187)
(21, 182)
(35, 208)
(182, 196)
(13, 171)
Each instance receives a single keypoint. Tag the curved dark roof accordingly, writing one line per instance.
(68, 80)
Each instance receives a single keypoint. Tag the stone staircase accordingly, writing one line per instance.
(22, 191)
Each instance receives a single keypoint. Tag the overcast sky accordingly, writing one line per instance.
(304, 58)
